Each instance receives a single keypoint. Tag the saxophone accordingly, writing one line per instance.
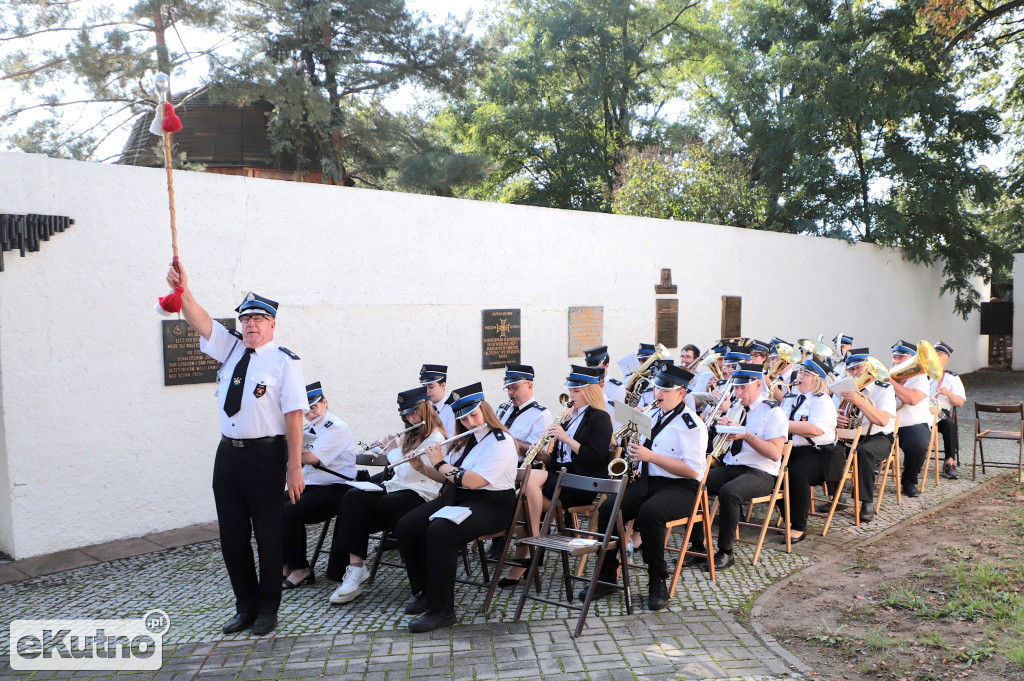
(623, 461)
(542, 442)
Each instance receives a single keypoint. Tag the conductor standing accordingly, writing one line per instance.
(262, 397)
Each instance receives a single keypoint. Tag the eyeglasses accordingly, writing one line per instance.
(255, 318)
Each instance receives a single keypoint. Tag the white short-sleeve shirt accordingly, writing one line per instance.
(408, 478)
(334, 446)
(765, 422)
(818, 410)
(494, 458)
(684, 438)
(913, 414)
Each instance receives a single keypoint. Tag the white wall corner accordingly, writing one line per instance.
(1018, 312)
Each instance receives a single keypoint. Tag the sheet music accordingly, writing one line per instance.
(627, 414)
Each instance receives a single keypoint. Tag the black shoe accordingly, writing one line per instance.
(867, 512)
(723, 560)
(494, 553)
(309, 579)
(692, 560)
(792, 539)
(390, 545)
(506, 582)
(432, 620)
(657, 595)
(240, 622)
(949, 472)
(264, 624)
(911, 491)
(417, 607)
(600, 591)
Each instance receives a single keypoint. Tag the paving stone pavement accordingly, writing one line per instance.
(700, 637)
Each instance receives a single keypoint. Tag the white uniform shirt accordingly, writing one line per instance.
(765, 422)
(447, 416)
(530, 424)
(953, 384)
(699, 384)
(494, 458)
(336, 448)
(882, 397)
(684, 438)
(818, 410)
(408, 478)
(272, 374)
(913, 414)
(613, 390)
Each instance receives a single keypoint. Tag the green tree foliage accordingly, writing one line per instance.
(326, 65)
(699, 183)
(79, 71)
(851, 115)
(576, 83)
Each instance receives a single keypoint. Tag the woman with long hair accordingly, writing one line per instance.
(364, 512)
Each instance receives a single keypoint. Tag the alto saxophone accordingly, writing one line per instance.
(542, 442)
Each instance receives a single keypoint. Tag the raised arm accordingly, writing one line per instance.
(193, 311)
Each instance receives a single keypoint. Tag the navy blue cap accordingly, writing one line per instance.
(746, 373)
(943, 346)
(408, 400)
(672, 377)
(516, 373)
(646, 350)
(314, 393)
(902, 347)
(736, 357)
(815, 367)
(597, 356)
(582, 376)
(431, 373)
(254, 304)
(721, 348)
(842, 339)
(757, 346)
(466, 400)
(856, 356)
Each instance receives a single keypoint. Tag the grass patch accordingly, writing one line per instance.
(935, 640)
(831, 637)
(904, 598)
(975, 653)
(876, 639)
(1015, 653)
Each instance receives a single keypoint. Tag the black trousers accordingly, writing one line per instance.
(362, 514)
(871, 451)
(914, 443)
(805, 471)
(734, 485)
(430, 548)
(667, 499)
(247, 484)
(950, 437)
(317, 504)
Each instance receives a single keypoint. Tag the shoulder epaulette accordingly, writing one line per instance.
(882, 384)
(236, 334)
(538, 405)
(287, 352)
(688, 420)
(771, 403)
(328, 424)
(449, 400)
(499, 435)
(951, 373)
(615, 381)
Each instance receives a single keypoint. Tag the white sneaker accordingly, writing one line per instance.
(350, 589)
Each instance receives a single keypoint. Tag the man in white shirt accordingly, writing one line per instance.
(434, 377)
(525, 418)
(949, 393)
(915, 418)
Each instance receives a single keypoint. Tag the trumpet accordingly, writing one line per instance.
(542, 442)
(713, 411)
(376, 445)
(420, 452)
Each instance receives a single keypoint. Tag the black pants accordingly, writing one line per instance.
(317, 504)
(805, 471)
(362, 514)
(950, 437)
(914, 443)
(247, 484)
(871, 451)
(667, 499)
(734, 485)
(430, 548)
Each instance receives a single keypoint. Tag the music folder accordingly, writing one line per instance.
(626, 414)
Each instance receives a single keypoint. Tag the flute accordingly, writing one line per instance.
(419, 452)
(375, 445)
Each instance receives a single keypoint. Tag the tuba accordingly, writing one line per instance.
(542, 442)
(638, 381)
(786, 355)
(873, 371)
(926, 361)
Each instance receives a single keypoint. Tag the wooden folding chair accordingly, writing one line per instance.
(890, 467)
(575, 542)
(701, 513)
(590, 512)
(851, 474)
(781, 492)
(933, 446)
(320, 543)
(988, 434)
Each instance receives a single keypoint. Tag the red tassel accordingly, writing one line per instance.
(171, 121)
(171, 303)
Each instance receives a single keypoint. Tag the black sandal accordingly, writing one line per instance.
(308, 579)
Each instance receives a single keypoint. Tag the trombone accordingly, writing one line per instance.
(420, 452)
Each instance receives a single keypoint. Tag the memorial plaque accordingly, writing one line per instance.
(184, 362)
(501, 336)
(666, 286)
(586, 329)
(666, 329)
(731, 316)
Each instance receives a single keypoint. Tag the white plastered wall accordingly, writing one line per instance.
(371, 285)
(1018, 312)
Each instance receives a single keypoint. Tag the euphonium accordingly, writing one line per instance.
(873, 371)
(787, 355)
(722, 441)
(542, 442)
(637, 382)
(926, 361)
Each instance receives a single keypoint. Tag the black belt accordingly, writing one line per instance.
(252, 442)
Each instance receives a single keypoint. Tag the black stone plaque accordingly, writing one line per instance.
(731, 316)
(184, 363)
(586, 329)
(666, 329)
(501, 336)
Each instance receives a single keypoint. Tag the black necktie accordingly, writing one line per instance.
(663, 420)
(737, 445)
(233, 402)
(516, 411)
(799, 400)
